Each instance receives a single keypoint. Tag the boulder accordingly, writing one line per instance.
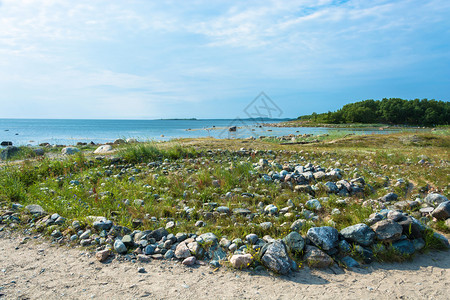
(411, 227)
(35, 209)
(276, 258)
(387, 230)
(9, 152)
(241, 261)
(120, 247)
(359, 233)
(39, 152)
(405, 247)
(70, 150)
(295, 242)
(389, 197)
(442, 212)
(435, 198)
(316, 258)
(324, 237)
(103, 149)
(182, 251)
(209, 238)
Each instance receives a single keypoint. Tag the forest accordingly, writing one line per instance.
(387, 111)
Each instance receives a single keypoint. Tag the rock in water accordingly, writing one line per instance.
(324, 237)
(359, 233)
(387, 230)
(316, 258)
(241, 261)
(276, 258)
(295, 242)
(103, 149)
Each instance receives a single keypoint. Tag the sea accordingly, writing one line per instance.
(69, 132)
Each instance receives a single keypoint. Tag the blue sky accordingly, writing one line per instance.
(209, 59)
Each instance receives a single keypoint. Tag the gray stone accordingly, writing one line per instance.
(223, 210)
(442, 212)
(324, 237)
(405, 247)
(241, 211)
(149, 249)
(35, 209)
(435, 198)
(344, 246)
(39, 152)
(419, 244)
(442, 239)
(349, 262)
(251, 238)
(85, 235)
(387, 230)
(120, 247)
(389, 197)
(103, 149)
(297, 225)
(276, 258)
(295, 242)
(9, 152)
(209, 238)
(169, 254)
(316, 258)
(359, 233)
(266, 225)
(102, 224)
(313, 204)
(331, 187)
(70, 150)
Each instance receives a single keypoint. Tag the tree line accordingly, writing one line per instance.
(388, 111)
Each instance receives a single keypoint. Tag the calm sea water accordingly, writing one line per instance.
(67, 132)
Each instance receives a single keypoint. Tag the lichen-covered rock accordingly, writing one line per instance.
(276, 258)
(442, 212)
(387, 230)
(295, 242)
(325, 237)
(316, 258)
(359, 233)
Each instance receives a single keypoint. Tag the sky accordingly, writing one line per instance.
(143, 59)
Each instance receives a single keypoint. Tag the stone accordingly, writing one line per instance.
(85, 235)
(141, 270)
(313, 204)
(102, 224)
(276, 258)
(35, 209)
(69, 150)
(395, 215)
(170, 225)
(251, 238)
(442, 212)
(387, 230)
(271, 209)
(435, 198)
(103, 149)
(209, 238)
(119, 141)
(442, 239)
(39, 152)
(331, 187)
(149, 249)
(324, 237)
(359, 233)
(316, 258)
(366, 254)
(102, 255)
(405, 247)
(266, 225)
(419, 244)
(9, 152)
(169, 254)
(189, 261)
(223, 210)
(294, 242)
(158, 234)
(412, 228)
(390, 197)
(344, 246)
(182, 251)
(241, 261)
(349, 262)
(297, 225)
(120, 247)
(6, 143)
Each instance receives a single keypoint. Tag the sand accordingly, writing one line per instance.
(38, 270)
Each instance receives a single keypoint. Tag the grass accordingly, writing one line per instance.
(183, 181)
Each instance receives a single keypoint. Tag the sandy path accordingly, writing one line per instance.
(38, 270)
